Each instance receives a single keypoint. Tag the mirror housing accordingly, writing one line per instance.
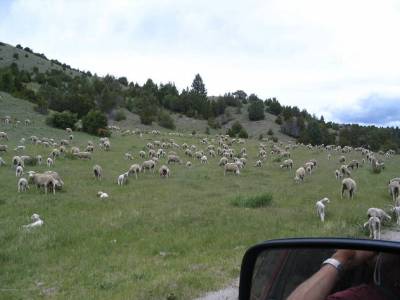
(252, 254)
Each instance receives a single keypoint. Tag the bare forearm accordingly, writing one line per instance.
(318, 286)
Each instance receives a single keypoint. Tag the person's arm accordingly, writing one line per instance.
(320, 285)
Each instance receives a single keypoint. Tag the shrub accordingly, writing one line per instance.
(277, 159)
(264, 199)
(165, 120)
(237, 129)
(274, 139)
(243, 134)
(256, 110)
(103, 132)
(15, 55)
(207, 130)
(62, 120)
(119, 115)
(93, 121)
(270, 132)
(260, 137)
(194, 132)
(278, 120)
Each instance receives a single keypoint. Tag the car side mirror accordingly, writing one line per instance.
(298, 269)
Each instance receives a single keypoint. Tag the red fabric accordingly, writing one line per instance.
(360, 292)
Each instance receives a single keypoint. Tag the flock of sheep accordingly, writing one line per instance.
(221, 147)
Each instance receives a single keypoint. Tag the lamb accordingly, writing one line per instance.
(123, 178)
(374, 226)
(231, 167)
(394, 189)
(19, 171)
(135, 168)
(300, 173)
(379, 213)
(164, 171)
(2, 162)
(102, 195)
(83, 155)
(338, 174)
(3, 148)
(50, 162)
(349, 185)
(22, 185)
(320, 206)
(173, 158)
(204, 159)
(148, 165)
(98, 172)
(258, 164)
(36, 222)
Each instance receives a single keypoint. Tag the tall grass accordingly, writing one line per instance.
(252, 201)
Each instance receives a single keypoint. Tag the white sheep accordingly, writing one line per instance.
(204, 159)
(135, 168)
(374, 225)
(396, 211)
(379, 213)
(22, 185)
(164, 171)
(231, 167)
(349, 185)
(188, 164)
(50, 162)
(338, 174)
(19, 148)
(142, 154)
(98, 172)
(288, 163)
(39, 159)
(394, 189)
(128, 156)
(36, 222)
(258, 164)
(19, 171)
(300, 173)
(2, 162)
(102, 195)
(320, 206)
(122, 179)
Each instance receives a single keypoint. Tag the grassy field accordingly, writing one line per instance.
(157, 238)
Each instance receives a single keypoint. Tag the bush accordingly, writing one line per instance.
(260, 137)
(62, 120)
(256, 110)
(243, 134)
(270, 132)
(93, 121)
(207, 130)
(278, 120)
(16, 56)
(119, 115)
(253, 201)
(165, 120)
(274, 139)
(237, 130)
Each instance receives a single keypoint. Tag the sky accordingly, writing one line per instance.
(336, 58)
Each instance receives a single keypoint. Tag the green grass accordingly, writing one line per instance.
(156, 237)
(252, 201)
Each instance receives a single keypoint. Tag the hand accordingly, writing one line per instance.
(352, 258)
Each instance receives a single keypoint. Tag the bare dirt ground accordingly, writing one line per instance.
(231, 291)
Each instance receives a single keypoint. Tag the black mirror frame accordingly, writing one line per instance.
(250, 257)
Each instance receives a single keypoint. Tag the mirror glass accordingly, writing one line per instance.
(299, 274)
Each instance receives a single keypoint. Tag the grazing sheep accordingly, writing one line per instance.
(345, 171)
(22, 185)
(3, 148)
(223, 161)
(71, 137)
(329, 156)
(338, 174)
(3, 136)
(75, 150)
(396, 211)
(19, 171)
(231, 167)
(349, 185)
(288, 164)
(379, 213)
(377, 166)
(44, 180)
(342, 159)
(50, 162)
(300, 173)
(102, 195)
(173, 158)
(27, 122)
(39, 160)
(258, 164)
(90, 148)
(374, 226)
(204, 159)
(353, 164)
(320, 206)
(19, 148)
(142, 154)
(68, 130)
(148, 165)
(394, 189)
(98, 172)
(188, 164)
(36, 222)
(135, 168)
(83, 155)
(164, 171)
(2, 162)
(123, 178)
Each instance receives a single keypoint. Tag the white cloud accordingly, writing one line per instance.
(315, 54)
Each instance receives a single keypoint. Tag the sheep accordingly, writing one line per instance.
(27, 122)
(342, 159)
(19, 148)
(142, 154)
(54, 153)
(102, 195)
(396, 211)
(353, 164)
(22, 185)
(258, 164)
(148, 165)
(68, 130)
(44, 180)
(135, 168)
(374, 226)
(188, 164)
(3, 136)
(338, 174)
(204, 159)
(164, 171)
(17, 161)
(379, 213)
(329, 156)
(2, 162)
(75, 150)
(3, 148)
(345, 171)
(223, 161)
(36, 222)
(59, 183)
(376, 165)
(394, 189)
(71, 137)
(98, 172)
(19, 171)
(50, 162)
(173, 158)
(349, 185)
(288, 164)
(300, 173)
(314, 162)
(83, 155)
(320, 206)
(231, 167)
(90, 148)
(123, 178)
(39, 159)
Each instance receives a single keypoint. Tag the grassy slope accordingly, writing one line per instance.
(156, 236)
(26, 61)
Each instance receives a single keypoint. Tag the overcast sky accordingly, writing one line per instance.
(336, 58)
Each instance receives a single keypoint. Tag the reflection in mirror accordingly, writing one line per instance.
(304, 274)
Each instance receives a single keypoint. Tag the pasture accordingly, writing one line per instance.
(159, 238)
